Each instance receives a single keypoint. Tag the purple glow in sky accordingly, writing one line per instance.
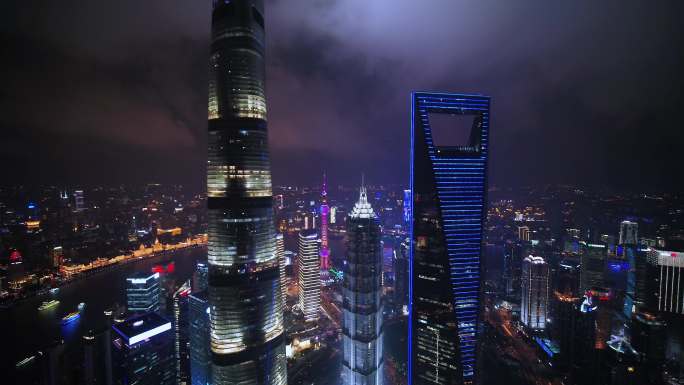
(581, 91)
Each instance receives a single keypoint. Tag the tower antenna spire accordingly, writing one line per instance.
(324, 190)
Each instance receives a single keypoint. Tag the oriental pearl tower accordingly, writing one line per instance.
(325, 212)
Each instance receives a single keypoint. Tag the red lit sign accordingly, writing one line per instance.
(161, 269)
(15, 256)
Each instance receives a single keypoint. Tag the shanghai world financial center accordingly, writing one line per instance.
(449, 182)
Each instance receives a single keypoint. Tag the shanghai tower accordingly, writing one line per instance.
(246, 317)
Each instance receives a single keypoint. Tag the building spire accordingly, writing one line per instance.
(362, 209)
(324, 189)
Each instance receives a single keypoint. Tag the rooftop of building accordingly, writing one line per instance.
(309, 233)
(202, 295)
(142, 327)
(620, 344)
(535, 260)
(569, 264)
(142, 276)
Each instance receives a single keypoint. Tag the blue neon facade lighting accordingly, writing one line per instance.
(630, 292)
(200, 350)
(407, 206)
(448, 188)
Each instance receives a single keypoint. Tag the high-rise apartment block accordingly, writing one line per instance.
(309, 275)
(280, 252)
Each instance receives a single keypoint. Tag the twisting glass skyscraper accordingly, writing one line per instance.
(246, 315)
(362, 305)
(448, 206)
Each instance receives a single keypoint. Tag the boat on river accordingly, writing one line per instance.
(73, 316)
(48, 304)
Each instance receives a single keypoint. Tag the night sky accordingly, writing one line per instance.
(115, 92)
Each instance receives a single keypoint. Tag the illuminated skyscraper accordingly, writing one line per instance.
(362, 306)
(97, 357)
(325, 211)
(448, 182)
(309, 274)
(143, 351)
(566, 280)
(280, 252)
(592, 266)
(200, 351)
(309, 221)
(57, 255)
(583, 355)
(200, 278)
(79, 201)
(629, 233)
(401, 276)
(181, 329)
(524, 233)
(564, 310)
(407, 206)
(535, 293)
(143, 293)
(247, 340)
(668, 268)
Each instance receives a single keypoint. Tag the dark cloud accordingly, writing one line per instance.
(582, 91)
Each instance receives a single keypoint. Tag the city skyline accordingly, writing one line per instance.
(572, 75)
(515, 229)
(180, 202)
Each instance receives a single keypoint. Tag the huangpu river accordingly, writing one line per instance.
(25, 329)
